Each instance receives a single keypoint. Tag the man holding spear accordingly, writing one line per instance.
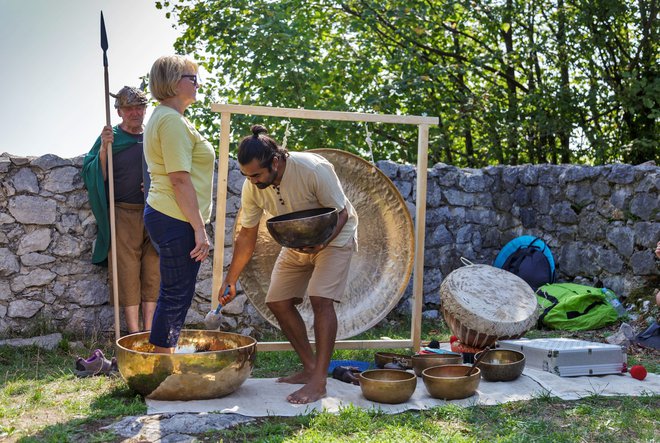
(137, 260)
(112, 172)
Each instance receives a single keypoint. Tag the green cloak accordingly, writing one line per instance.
(93, 178)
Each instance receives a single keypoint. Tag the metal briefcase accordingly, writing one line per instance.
(568, 357)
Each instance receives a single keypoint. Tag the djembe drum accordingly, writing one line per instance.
(482, 304)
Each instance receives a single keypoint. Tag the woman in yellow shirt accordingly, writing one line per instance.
(181, 164)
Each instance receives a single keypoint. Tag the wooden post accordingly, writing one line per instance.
(220, 207)
(420, 225)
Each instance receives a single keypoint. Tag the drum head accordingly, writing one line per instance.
(380, 269)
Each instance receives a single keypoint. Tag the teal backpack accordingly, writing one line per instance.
(573, 307)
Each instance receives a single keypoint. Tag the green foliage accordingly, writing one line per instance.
(512, 81)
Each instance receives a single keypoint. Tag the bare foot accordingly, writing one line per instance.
(308, 394)
(299, 378)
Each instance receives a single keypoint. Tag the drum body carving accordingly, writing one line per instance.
(380, 269)
(482, 304)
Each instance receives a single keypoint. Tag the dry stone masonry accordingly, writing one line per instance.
(601, 222)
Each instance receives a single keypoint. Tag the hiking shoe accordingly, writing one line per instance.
(83, 364)
(96, 364)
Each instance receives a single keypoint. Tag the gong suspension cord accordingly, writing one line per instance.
(370, 143)
(287, 133)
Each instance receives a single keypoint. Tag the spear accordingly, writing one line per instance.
(111, 183)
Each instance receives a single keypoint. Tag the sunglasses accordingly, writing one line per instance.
(192, 77)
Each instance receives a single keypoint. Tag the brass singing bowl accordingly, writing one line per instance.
(383, 358)
(501, 365)
(449, 382)
(423, 361)
(387, 385)
(206, 364)
(302, 229)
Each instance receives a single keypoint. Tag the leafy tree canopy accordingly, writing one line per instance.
(512, 81)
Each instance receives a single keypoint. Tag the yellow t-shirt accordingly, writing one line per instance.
(172, 144)
(309, 182)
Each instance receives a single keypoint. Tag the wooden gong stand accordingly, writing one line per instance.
(422, 122)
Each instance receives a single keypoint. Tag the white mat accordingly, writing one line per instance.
(260, 397)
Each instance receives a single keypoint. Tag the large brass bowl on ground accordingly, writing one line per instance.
(423, 361)
(303, 228)
(449, 382)
(387, 385)
(380, 269)
(501, 364)
(383, 358)
(206, 364)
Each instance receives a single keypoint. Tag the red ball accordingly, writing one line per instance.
(452, 339)
(638, 372)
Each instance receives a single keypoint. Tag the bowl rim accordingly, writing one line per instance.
(392, 354)
(315, 212)
(409, 377)
(477, 372)
(434, 355)
(517, 362)
(173, 355)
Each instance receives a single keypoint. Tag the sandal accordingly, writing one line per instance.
(346, 374)
(96, 364)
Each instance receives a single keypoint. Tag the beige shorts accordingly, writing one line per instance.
(319, 275)
(137, 261)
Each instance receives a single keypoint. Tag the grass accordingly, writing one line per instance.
(41, 400)
(540, 420)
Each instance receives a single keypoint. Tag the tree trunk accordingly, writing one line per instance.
(564, 98)
(512, 97)
(465, 117)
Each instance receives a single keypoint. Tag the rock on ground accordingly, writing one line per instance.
(174, 427)
(48, 342)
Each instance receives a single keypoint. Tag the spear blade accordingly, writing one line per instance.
(104, 41)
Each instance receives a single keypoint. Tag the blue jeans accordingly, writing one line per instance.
(178, 275)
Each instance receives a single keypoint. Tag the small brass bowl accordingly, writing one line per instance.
(302, 229)
(206, 364)
(501, 365)
(449, 382)
(423, 361)
(387, 385)
(383, 358)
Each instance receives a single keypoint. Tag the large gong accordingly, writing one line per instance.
(380, 269)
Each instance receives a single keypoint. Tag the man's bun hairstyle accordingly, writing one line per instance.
(258, 129)
(261, 146)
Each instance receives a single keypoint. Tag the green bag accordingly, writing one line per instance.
(573, 307)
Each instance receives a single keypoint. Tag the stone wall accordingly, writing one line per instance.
(601, 223)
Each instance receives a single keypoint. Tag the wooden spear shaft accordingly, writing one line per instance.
(111, 184)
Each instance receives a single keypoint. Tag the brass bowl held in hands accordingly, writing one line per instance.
(449, 382)
(205, 364)
(423, 361)
(383, 358)
(302, 229)
(501, 364)
(387, 385)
